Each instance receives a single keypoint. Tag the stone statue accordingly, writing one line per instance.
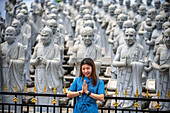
(151, 13)
(159, 20)
(10, 7)
(26, 32)
(115, 37)
(36, 14)
(162, 64)
(57, 37)
(104, 26)
(140, 17)
(128, 59)
(13, 58)
(157, 4)
(46, 58)
(131, 14)
(86, 49)
(120, 4)
(98, 8)
(127, 6)
(145, 33)
(149, 4)
(159, 40)
(165, 12)
(34, 30)
(2, 27)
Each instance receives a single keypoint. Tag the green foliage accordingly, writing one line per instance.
(58, 1)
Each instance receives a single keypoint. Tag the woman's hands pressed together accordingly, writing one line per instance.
(85, 87)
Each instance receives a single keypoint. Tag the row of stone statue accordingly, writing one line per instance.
(135, 38)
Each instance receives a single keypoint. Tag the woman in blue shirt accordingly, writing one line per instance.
(87, 88)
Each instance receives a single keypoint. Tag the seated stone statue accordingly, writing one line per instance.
(46, 58)
(85, 49)
(162, 64)
(128, 59)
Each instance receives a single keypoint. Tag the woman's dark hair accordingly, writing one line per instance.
(89, 62)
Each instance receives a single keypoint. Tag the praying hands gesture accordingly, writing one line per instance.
(84, 88)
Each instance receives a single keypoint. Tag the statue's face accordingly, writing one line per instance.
(127, 3)
(45, 38)
(88, 38)
(116, 13)
(151, 14)
(148, 2)
(86, 17)
(10, 36)
(16, 26)
(70, 2)
(121, 2)
(111, 11)
(100, 4)
(130, 37)
(142, 11)
(53, 26)
(166, 7)
(105, 8)
(159, 22)
(21, 18)
(36, 1)
(126, 26)
(120, 20)
(25, 14)
(134, 7)
(166, 38)
(157, 5)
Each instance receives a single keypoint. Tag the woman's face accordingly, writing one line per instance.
(87, 70)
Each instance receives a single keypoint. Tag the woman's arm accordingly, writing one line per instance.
(72, 94)
(99, 97)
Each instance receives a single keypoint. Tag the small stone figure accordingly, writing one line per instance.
(128, 59)
(86, 49)
(46, 58)
(162, 64)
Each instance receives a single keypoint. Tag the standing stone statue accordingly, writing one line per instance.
(86, 49)
(140, 17)
(13, 58)
(26, 31)
(157, 4)
(131, 14)
(10, 8)
(162, 63)
(46, 58)
(128, 59)
(36, 15)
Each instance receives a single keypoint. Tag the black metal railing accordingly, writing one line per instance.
(115, 108)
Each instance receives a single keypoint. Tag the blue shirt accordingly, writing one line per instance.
(86, 104)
